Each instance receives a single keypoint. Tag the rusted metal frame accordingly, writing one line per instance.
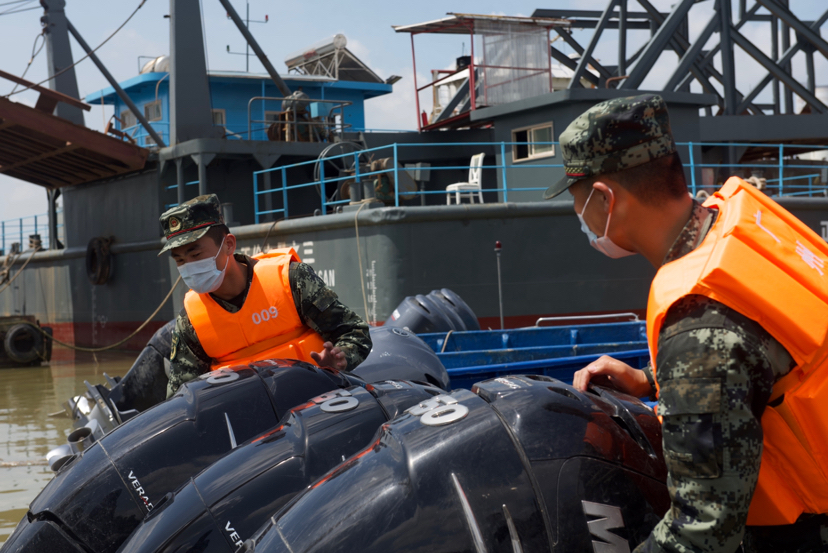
(47, 92)
(575, 82)
(67, 165)
(85, 163)
(42, 172)
(95, 170)
(780, 74)
(41, 180)
(52, 126)
(15, 142)
(782, 63)
(41, 157)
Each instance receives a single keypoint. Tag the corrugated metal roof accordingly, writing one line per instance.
(44, 149)
(463, 23)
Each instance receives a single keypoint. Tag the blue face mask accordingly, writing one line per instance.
(603, 244)
(202, 276)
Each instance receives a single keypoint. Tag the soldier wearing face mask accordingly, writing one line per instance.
(737, 324)
(242, 309)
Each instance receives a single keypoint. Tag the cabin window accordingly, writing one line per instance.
(533, 142)
(128, 119)
(152, 111)
(219, 117)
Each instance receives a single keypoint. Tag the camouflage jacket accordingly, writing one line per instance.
(317, 305)
(716, 369)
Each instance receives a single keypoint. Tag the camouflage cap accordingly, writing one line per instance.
(190, 221)
(614, 135)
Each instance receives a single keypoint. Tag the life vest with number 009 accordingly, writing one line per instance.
(766, 264)
(266, 327)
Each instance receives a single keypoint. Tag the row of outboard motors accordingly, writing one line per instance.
(105, 406)
(286, 457)
(283, 456)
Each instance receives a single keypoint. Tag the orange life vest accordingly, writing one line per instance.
(766, 264)
(266, 327)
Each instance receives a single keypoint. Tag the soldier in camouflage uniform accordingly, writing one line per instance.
(716, 367)
(194, 231)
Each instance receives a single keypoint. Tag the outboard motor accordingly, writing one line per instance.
(225, 504)
(439, 311)
(102, 408)
(398, 354)
(100, 495)
(522, 464)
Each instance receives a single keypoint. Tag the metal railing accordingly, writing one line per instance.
(320, 128)
(142, 138)
(173, 187)
(776, 182)
(19, 230)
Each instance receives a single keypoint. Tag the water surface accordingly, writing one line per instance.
(27, 432)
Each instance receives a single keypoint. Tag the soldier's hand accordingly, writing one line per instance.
(606, 371)
(330, 356)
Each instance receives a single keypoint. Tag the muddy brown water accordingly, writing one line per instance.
(27, 432)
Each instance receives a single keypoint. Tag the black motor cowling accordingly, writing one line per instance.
(525, 463)
(227, 502)
(398, 354)
(99, 496)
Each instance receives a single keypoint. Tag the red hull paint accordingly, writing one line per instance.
(98, 335)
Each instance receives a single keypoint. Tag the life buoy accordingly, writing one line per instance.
(23, 343)
(98, 260)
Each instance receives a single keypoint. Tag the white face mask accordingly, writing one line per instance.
(602, 244)
(202, 276)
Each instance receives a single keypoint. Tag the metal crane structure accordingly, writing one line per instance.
(708, 59)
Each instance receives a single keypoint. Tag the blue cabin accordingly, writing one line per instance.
(244, 104)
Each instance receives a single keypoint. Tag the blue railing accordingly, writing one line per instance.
(780, 185)
(143, 138)
(173, 187)
(18, 230)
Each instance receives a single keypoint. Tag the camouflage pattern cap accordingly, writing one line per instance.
(614, 135)
(190, 221)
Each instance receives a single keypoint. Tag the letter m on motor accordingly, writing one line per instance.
(610, 518)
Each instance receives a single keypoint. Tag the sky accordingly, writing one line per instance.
(293, 26)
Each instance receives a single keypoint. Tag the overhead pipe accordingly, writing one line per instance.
(280, 84)
(120, 91)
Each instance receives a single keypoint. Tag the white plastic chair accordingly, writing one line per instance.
(468, 189)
